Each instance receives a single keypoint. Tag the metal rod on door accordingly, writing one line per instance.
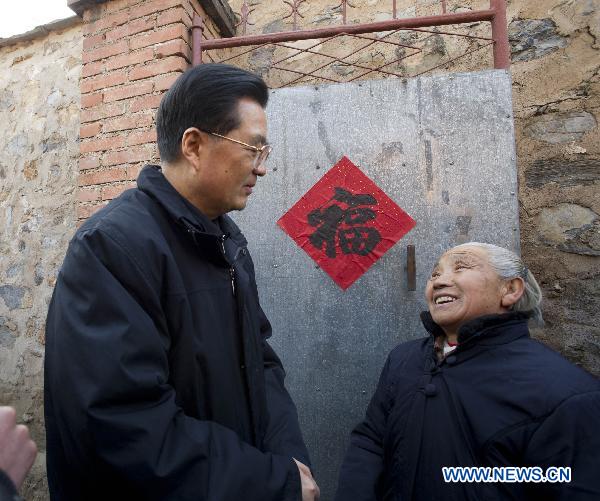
(411, 268)
(353, 29)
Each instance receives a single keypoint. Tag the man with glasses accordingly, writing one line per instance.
(159, 380)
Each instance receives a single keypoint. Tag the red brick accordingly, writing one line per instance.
(166, 65)
(118, 33)
(210, 31)
(140, 25)
(113, 191)
(89, 100)
(194, 7)
(117, 5)
(165, 82)
(127, 91)
(101, 112)
(129, 155)
(90, 130)
(172, 48)
(91, 69)
(103, 81)
(85, 211)
(128, 122)
(104, 144)
(133, 171)
(91, 41)
(151, 7)
(102, 176)
(145, 137)
(91, 162)
(104, 52)
(177, 15)
(145, 103)
(197, 7)
(171, 32)
(109, 21)
(137, 57)
(88, 194)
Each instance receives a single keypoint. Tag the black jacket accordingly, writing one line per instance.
(159, 382)
(500, 399)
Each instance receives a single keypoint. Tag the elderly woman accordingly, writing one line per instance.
(478, 392)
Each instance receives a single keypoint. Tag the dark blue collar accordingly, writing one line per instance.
(219, 241)
(487, 329)
(152, 182)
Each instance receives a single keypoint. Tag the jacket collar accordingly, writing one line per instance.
(205, 233)
(152, 182)
(484, 330)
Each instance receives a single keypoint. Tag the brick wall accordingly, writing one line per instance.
(133, 50)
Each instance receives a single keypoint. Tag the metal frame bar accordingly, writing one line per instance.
(496, 15)
(500, 35)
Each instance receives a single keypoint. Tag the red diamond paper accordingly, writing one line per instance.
(345, 222)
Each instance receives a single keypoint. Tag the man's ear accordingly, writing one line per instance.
(512, 291)
(192, 143)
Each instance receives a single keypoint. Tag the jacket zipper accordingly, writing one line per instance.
(232, 274)
(232, 269)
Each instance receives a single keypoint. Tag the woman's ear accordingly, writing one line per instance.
(512, 291)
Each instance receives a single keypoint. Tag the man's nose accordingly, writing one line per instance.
(260, 170)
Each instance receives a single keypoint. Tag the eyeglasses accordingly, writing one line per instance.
(262, 153)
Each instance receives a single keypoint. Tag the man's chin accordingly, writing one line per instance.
(240, 205)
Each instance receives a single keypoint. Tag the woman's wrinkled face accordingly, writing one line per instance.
(463, 286)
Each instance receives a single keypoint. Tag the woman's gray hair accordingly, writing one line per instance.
(508, 265)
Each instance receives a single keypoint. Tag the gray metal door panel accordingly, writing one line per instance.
(443, 149)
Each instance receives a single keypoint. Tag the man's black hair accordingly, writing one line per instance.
(206, 97)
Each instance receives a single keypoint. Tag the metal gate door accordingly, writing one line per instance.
(443, 149)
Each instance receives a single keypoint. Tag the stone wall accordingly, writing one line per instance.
(39, 129)
(556, 94)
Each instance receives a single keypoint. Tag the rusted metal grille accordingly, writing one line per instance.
(453, 39)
